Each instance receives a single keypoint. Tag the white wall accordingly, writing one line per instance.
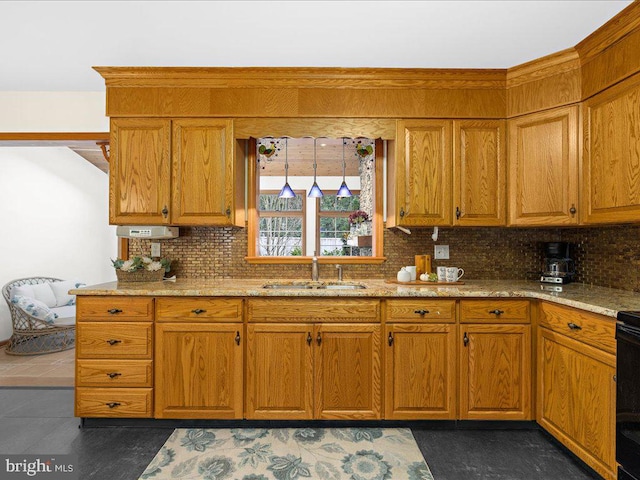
(53, 112)
(54, 211)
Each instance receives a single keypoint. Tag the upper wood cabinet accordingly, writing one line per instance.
(611, 165)
(543, 168)
(479, 172)
(180, 172)
(140, 171)
(422, 173)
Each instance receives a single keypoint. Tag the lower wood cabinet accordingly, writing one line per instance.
(575, 385)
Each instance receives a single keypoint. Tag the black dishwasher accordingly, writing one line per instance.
(628, 395)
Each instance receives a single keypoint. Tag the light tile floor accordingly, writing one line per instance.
(46, 370)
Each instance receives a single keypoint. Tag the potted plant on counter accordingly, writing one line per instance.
(141, 269)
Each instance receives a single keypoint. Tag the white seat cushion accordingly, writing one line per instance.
(66, 315)
(43, 292)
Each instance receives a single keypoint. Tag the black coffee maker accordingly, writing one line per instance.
(558, 266)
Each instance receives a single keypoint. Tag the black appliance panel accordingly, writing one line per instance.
(628, 397)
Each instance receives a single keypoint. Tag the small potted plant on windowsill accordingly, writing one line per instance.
(359, 223)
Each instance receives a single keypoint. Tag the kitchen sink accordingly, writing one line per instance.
(295, 285)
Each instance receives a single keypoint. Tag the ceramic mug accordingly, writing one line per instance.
(413, 271)
(442, 274)
(454, 274)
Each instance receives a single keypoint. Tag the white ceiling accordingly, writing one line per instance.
(52, 45)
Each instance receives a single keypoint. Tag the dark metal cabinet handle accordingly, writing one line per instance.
(113, 404)
(113, 374)
(198, 311)
(496, 312)
(237, 338)
(114, 311)
(113, 342)
(401, 212)
(573, 210)
(465, 339)
(458, 213)
(165, 211)
(421, 312)
(573, 326)
(228, 212)
(309, 339)
(319, 339)
(390, 339)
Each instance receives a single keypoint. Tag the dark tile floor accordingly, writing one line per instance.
(41, 421)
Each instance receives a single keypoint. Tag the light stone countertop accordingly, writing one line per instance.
(604, 301)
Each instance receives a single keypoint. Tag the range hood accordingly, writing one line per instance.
(146, 231)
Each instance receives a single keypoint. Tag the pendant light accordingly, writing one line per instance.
(344, 190)
(286, 191)
(315, 191)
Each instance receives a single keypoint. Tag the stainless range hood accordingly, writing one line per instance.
(147, 231)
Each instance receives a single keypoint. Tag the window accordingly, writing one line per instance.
(334, 236)
(281, 224)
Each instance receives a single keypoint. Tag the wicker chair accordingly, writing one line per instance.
(31, 335)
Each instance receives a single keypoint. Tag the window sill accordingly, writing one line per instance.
(323, 260)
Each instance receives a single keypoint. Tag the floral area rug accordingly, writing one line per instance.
(289, 454)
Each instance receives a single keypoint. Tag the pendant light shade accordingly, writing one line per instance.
(315, 191)
(344, 190)
(286, 191)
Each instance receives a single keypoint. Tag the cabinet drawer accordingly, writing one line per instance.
(114, 402)
(312, 310)
(114, 308)
(494, 311)
(114, 373)
(114, 340)
(416, 311)
(199, 308)
(590, 328)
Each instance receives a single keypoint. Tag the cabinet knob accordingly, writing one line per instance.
(390, 339)
(496, 312)
(112, 404)
(401, 212)
(228, 212)
(465, 339)
(114, 311)
(319, 339)
(113, 374)
(309, 339)
(572, 210)
(421, 312)
(237, 338)
(113, 342)
(573, 326)
(458, 213)
(165, 211)
(198, 311)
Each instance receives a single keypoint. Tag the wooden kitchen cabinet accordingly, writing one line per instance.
(479, 172)
(175, 172)
(543, 167)
(114, 357)
(421, 174)
(575, 384)
(611, 163)
(495, 360)
(199, 358)
(140, 171)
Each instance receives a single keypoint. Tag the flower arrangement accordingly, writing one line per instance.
(141, 269)
(358, 216)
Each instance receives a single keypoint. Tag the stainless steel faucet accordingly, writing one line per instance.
(315, 275)
(339, 267)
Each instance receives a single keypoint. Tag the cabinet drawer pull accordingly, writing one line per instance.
(309, 339)
(237, 338)
(319, 339)
(113, 404)
(390, 339)
(421, 312)
(113, 374)
(496, 312)
(113, 342)
(573, 326)
(465, 339)
(114, 311)
(198, 311)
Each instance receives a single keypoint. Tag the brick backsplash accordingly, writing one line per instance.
(604, 256)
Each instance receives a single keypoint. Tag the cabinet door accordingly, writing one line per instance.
(139, 171)
(479, 172)
(543, 168)
(495, 372)
(203, 175)
(611, 164)
(347, 371)
(198, 370)
(576, 398)
(279, 371)
(420, 371)
(423, 173)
